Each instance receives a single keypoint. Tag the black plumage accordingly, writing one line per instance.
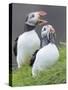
(33, 58)
(15, 47)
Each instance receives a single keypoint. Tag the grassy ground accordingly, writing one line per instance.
(54, 75)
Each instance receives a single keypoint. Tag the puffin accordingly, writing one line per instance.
(47, 36)
(28, 42)
(48, 55)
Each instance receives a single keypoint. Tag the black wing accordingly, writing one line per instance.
(15, 47)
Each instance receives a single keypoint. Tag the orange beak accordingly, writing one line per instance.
(42, 13)
(41, 21)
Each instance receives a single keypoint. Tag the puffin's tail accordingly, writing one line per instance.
(15, 47)
(33, 58)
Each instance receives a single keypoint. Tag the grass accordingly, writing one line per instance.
(53, 75)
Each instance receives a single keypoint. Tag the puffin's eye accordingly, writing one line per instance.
(44, 29)
(32, 16)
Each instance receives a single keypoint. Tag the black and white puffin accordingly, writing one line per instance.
(48, 54)
(28, 42)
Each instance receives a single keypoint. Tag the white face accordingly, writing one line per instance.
(32, 18)
(45, 31)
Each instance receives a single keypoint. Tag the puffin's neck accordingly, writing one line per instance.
(28, 28)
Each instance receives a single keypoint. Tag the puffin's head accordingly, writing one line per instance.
(35, 18)
(49, 32)
(46, 29)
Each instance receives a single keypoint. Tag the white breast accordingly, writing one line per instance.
(28, 43)
(46, 57)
